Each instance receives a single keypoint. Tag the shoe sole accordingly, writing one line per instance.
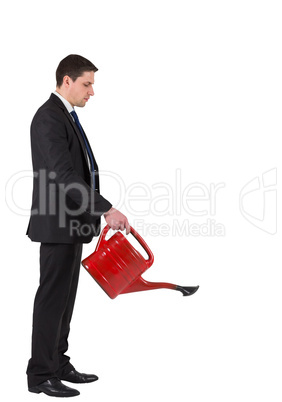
(35, 390)
(77, 382)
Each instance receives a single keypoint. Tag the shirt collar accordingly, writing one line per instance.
(65, 102)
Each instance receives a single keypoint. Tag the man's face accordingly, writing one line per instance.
(80, 90)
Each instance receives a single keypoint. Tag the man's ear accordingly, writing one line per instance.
(67, 81)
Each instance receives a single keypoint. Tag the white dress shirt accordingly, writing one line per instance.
(65, 102)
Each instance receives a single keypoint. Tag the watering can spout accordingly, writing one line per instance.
(187, 290)
(140, 285)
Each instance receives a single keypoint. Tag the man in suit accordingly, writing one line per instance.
(66, 211)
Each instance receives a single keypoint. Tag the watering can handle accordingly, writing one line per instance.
(142, 242)
(137, 236)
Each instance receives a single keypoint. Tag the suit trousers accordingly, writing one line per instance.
(53, 308)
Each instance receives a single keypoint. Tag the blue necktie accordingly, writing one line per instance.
(73, 113)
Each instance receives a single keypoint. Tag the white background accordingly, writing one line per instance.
(188, 85)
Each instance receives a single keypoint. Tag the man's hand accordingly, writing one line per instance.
(116, 220)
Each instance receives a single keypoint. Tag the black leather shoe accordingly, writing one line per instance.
(54, 387)
(79, 378)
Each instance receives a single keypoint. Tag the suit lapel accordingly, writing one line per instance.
(78, 134)
(59, 103)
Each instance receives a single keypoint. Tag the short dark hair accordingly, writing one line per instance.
(74, 66)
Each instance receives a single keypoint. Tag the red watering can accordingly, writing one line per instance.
(117, 266)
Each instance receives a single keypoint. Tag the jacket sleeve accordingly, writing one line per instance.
(49, 135)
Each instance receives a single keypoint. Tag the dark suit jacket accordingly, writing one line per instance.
(65, 209)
